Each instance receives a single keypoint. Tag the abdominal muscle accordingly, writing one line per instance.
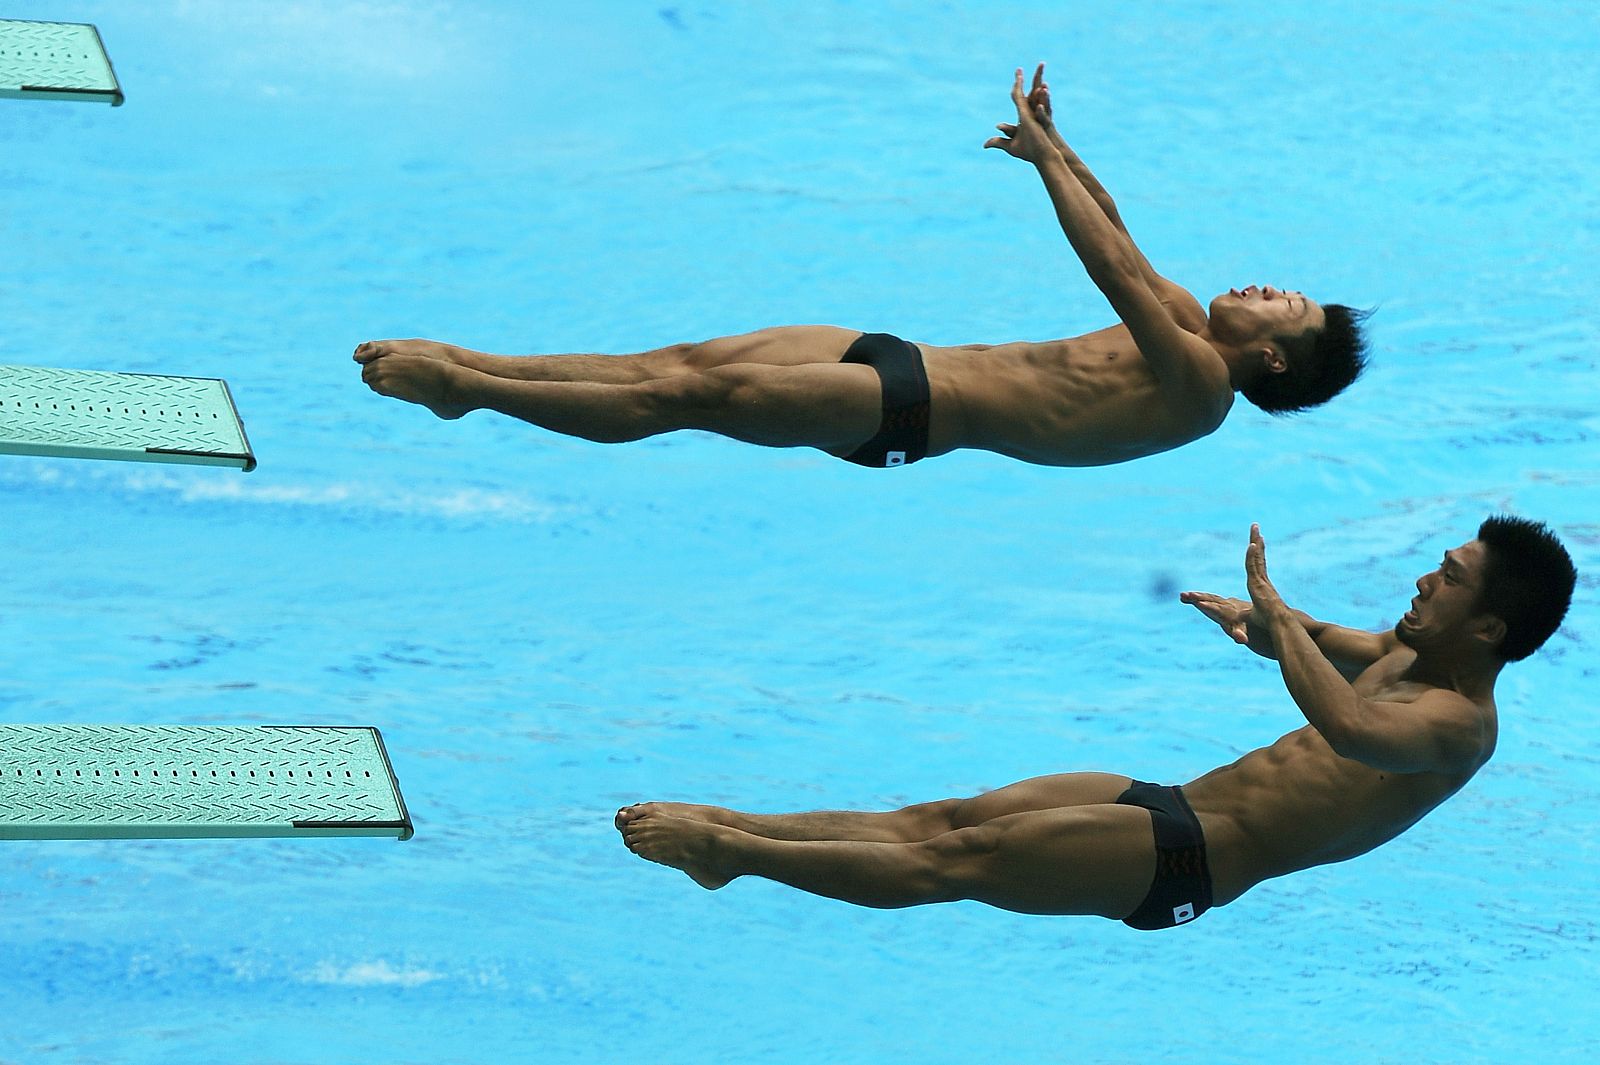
(1297, 804)
(1088, 401)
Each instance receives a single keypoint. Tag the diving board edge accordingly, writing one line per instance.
(114, 97)
(244, 462)
(341, 827)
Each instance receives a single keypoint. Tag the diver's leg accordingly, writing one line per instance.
(832, 406)
(906, 825)
(1095, 860)
(779, 346)
(909, 824)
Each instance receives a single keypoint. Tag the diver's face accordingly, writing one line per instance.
(1261, 311)
(1446, 600)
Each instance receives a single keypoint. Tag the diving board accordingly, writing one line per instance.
(55, 61)
(196, 782)
(97, 414)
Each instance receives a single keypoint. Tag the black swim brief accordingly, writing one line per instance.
(1182, 887)
(903, 432)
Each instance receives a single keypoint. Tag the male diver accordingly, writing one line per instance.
(1398, 722)
(1163, 376)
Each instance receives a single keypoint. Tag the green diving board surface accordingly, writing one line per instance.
(96, 414)
(196, 782)
(55, 61)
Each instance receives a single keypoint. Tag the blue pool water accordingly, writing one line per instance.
(546, 629)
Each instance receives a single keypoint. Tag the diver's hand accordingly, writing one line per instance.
(1026, 138)
(1039, 104)
(1265, 601)
(1231, 615)
(1248, 623)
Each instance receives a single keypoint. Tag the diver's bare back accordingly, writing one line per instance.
(1085, 401)
(1297, 804)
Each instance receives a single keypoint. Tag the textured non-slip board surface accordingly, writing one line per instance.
(97, 414)
(55, 61)
(193, 781)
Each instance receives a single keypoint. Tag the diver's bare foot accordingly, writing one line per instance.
(695, 847)
(432, 383)
(711, 815)
(426, 349)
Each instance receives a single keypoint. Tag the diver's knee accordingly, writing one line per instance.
(925, 820)
(948, 865)
(686, 401)
(677, 359)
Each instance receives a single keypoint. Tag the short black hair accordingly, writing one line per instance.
(1527, 582)
(1321, 364)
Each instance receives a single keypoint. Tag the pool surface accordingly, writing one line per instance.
(545, 629)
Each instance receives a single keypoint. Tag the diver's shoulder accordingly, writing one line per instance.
(1182, 305)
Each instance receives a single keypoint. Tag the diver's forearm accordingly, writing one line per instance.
(1317, 687)
(1259, 633)
(1086, 178)
(1101, 246)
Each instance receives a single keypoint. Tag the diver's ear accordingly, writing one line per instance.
(1491, 630)
(1274, 359)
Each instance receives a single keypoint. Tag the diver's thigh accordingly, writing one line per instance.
(1041, 793)
(787, 345)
